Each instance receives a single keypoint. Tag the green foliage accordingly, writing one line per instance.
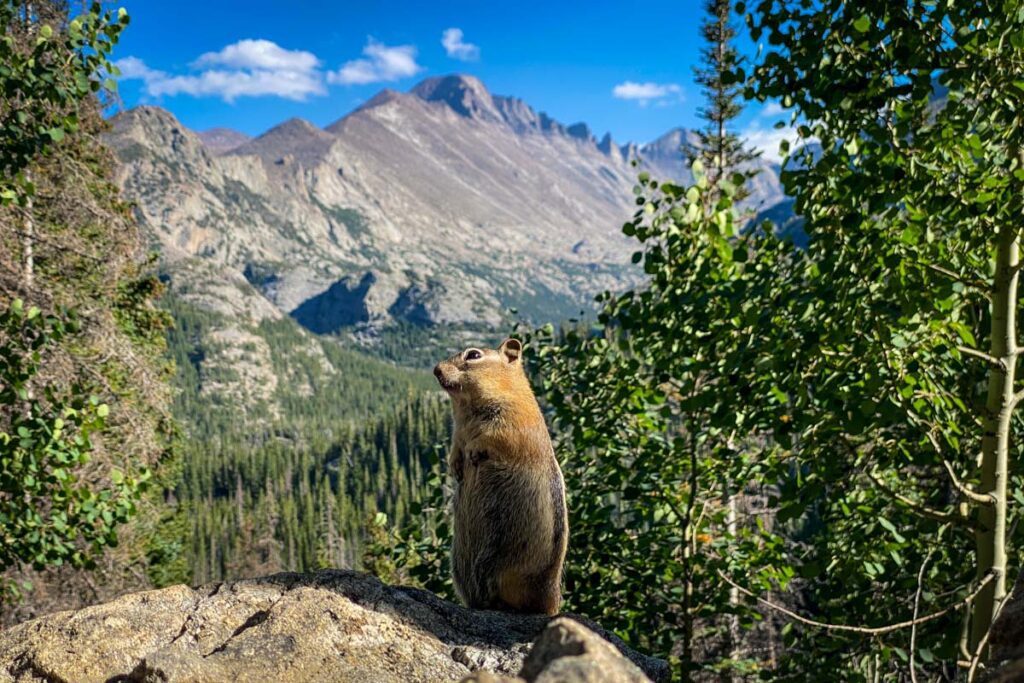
(41, 88)
(75, 246)
(48, 515)
(864, 389)
(902, 366)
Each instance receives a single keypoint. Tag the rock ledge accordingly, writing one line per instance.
(329, 626)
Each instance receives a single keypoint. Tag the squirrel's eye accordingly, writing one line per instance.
(472, 354)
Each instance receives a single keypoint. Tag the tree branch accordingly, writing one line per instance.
(991, 360)
(965, 490)
(917, 603)
(979, 284)
(867, 630)
(1016, 399)
(919, 508)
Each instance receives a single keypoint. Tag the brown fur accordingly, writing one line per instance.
(511, 525)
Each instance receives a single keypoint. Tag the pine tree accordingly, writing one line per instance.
(720, 150)
(723, 153)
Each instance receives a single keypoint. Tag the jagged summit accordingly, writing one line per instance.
(142, 130)
(465, 95)
(146, 113)
(580, 131)
(670, 143)
(469, 97)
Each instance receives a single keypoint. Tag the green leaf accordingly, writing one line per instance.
(891, 529)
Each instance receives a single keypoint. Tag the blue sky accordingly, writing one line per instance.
(624, 67)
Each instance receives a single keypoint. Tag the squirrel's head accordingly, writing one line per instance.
(481, 374)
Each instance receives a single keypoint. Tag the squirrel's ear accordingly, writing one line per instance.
(512, 349)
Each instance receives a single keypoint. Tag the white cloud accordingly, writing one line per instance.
(771, 109)
(259, 54)
(248, 68)
(230, 85)
(645, 92)
(453, 45)
(382, 64)
(767, 140)
(133, 67)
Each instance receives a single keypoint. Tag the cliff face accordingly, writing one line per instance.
(329, 626)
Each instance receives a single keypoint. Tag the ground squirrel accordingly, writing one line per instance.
(511, 525)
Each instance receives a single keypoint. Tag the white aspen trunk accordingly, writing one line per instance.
(991, 534)
(732, 519)
(28, 242)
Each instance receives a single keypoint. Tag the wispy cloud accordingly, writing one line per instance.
(645, 92)
(456, 48)
(772, 125)
(767, 140)
(248, 68)
(382, 64)
(133, 67)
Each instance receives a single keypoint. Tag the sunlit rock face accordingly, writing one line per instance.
(460, 203)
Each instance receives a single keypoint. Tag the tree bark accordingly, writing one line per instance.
(735, 639)
(991, 534)
(28, 241)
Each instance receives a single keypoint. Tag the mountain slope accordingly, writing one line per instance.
(445, 204)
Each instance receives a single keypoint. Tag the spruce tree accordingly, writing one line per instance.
(720, 150)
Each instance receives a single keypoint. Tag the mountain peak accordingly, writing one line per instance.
(221, 140)
(671, 142)
(294, 125)
(153, 128)
(146, 115)
(296, 137)
(580, 131)
(465, 95)
(383, 97)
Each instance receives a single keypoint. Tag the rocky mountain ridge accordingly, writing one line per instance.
(446, 204)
